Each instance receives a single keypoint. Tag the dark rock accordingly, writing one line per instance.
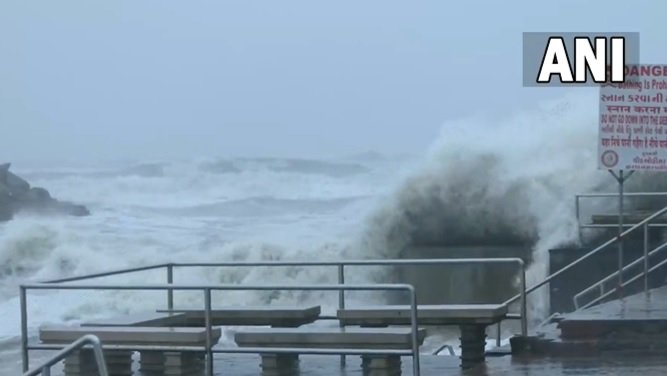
(4, 170)
(37, 195)
(16, 184)
(6, 206)
(16, 195)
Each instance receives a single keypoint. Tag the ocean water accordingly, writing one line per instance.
(483, 178)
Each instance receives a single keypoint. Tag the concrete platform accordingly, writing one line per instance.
(638, 313)
(140, 319)
(347, 338)
(119, 362)
(289, 316)
(634, 325)
(443, 314)
(129, 335)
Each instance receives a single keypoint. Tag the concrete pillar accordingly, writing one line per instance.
(473, 342)
(157, 363)
(82, 363)
(381, 365)
(151, 363)
(280, 364)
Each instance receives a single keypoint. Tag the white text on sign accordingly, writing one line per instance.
(587, 58)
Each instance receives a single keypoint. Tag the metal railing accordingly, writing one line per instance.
(645, 223)
(577, 205)
(89, 339)
(599, 286)
(340, 266)
(595, 251)
(209, 348)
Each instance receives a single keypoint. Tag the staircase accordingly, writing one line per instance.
(605, 308)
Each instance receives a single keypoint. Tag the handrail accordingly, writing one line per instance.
(89, 339)
(340, 264)
(207, 290)
(626, 283)
(579, 196)
(109, 273)
(589, 254)
(611, 276)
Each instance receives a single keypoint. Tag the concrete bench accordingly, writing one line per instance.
(119, 362)
(472, 320)
(140, 319)
(285, 317)
(372, 340)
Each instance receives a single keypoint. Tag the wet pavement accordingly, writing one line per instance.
(648, 307)
(447, 365)
(637, 322)
(317, 365)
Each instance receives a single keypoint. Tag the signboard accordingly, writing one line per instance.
(633, 120)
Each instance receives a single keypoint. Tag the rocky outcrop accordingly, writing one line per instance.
(16, 195)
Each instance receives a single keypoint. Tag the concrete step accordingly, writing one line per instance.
(635, 324)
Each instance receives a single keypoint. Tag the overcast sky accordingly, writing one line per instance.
(160, 79)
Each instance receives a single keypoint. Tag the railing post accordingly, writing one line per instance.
(620, 233)
(46, 371)
(24, 328)
(209, 339)
(341, 303)
(99, 354)
(170, 292)
(498, 334)
(576, 209)
(524, 304)
(646, 258)
(415, 331)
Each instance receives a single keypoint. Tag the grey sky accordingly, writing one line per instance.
(157, 79)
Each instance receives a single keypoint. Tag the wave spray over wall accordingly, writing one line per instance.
(504, 181)
(486, 181)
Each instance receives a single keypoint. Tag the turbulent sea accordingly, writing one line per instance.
(481, 179)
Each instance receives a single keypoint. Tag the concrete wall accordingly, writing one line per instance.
(460, 284)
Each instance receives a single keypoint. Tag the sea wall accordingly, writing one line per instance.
(461, 283)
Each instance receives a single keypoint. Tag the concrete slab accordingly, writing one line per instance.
(348, 338)
(637, 314)
(129, 335)
(443, 314)
(150, 318)
(288, 316)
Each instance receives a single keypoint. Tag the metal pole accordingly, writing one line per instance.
(170, 292)
(24, 328)
(341, 304)
(209, 340)
(620, 232)
(498, 334)
(415, 332)
(524, 304)
(646, 258)
(621, 180)
(576, 208)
